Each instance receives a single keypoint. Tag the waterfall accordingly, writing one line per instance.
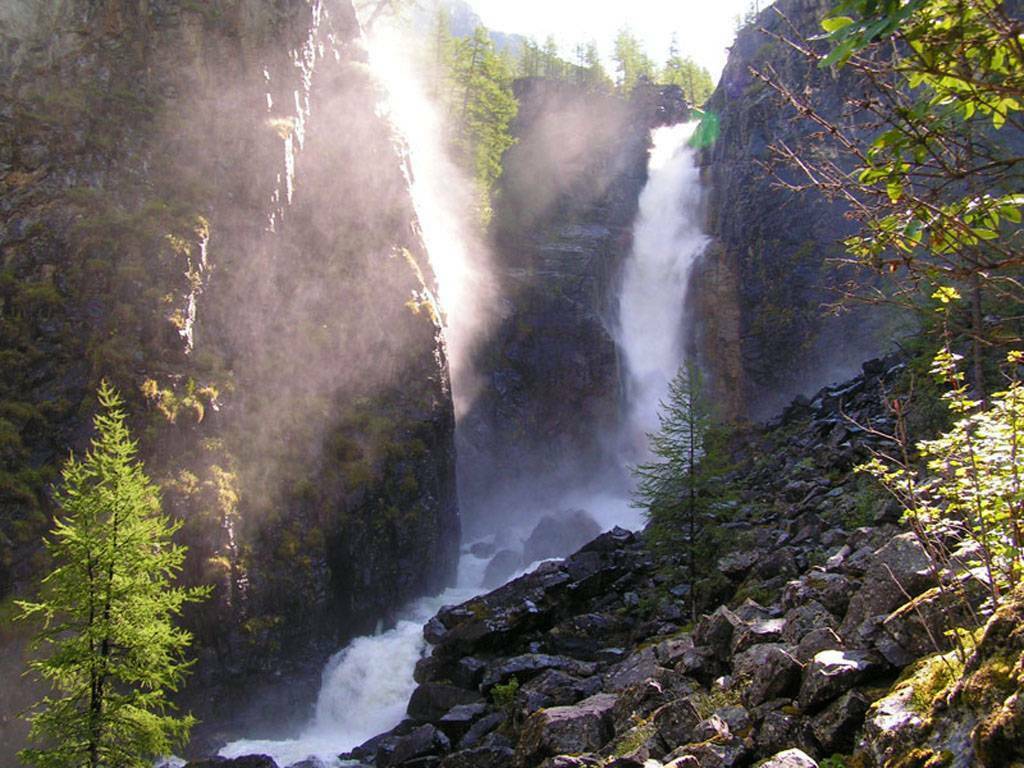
(366, 686)
(667, 240)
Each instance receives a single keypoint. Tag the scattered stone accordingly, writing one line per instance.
(758, 631)
(246, 761)
(670, 652)
(481, 728)
(584, 727)
(804, 619)
(715, 631)
(777, 676)
(530, 665)
(899, 569)
(791, 758)
(836, 726)
(781, 729)
(892, 726)
(430, 701)
(635, 669)
(832, 673)
(459, 719)
(676, 723)
(424, 741)
(481, 757)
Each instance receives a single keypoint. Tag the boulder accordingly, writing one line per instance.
(723, 752)
(246, 761)
(584, 727)
(715, 631)
(736, 565)
(817, 640)
(559, 535)
(832, 673)
(918, 628)
(481, 728)
(671, 651)
(892, 727)
(781, 729)
(831, 590)
(636, 702)
(755, 632)
(635, 669)
(777, 676)
(430, 701)
(700, 663)
(790, 758)
(737, 718)
(586, 636)
(459, 719)
(554, 688)
(529, 665)
(572, 761)
(468, 672)
(424, 741)
(502, 567)
(746, 664)
(804, 619)
(676, 722)
(836, 725)
(481, 757)
(899, 569)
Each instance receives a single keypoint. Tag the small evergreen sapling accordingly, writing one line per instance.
(110, 649)
(683, 488)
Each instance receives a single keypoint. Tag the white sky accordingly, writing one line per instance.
(705, 27)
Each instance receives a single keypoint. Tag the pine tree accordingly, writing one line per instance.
(631, 63)
(483, 109)
(683, 489)
(110, 648)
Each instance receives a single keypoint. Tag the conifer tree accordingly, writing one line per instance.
(683, 488)
(109, 646)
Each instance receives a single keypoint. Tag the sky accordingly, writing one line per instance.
(705, 27)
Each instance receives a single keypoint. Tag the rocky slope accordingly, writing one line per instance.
(200, 203)
(761, 290)
(562, 229)
(808, 648)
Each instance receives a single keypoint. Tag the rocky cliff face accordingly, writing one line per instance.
(201, 204)
(563, 227)
(760, 291)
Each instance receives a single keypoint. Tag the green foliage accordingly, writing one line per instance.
(504, 694)
(480, 105)
(972, 484)
(683, 490)
(687, 74)
(111, 650)
(632, 65)
(948, 197)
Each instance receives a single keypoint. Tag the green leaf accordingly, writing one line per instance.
(835, 23)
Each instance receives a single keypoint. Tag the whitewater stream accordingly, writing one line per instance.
(365, 688)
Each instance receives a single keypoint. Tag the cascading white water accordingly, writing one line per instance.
(667, 241)
(366, 686)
